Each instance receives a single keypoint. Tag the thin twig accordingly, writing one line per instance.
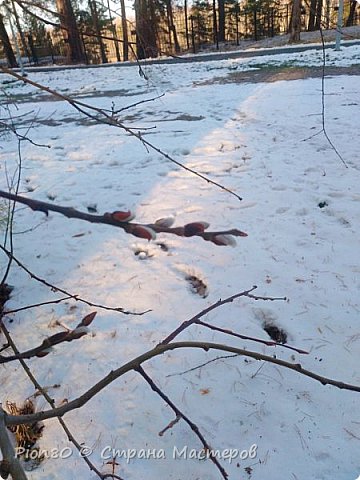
(220, 357)
(219, 303)
(50, 401)
(35, 305)
(10, 220)
(22, 137)
(170, 425)
(61, 290)
(323, 111)
(186, 419)
(132, 105)
(49, 342)
(110, 120)
(269, 343)
(323, 102)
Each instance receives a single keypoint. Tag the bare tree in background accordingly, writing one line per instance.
(314, 22)
(351, 16)
(124, 28)
(97, 29)
(5, 41)
(146, 44)
(221, 14)
(172, 27)
(70, 30)
(295, 26)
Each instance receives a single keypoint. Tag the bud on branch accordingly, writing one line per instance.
(47, 345)
(122, 219)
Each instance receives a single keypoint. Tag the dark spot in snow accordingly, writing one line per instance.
(163, 246)
(323, 204)
(276, 334)
(197, 285)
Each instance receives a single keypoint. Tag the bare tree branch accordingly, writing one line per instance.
(59, 289)
(51, 402)
(219, 303)
(10, 464)
(129, 227)
(159, 350)
(86, 33)
(111, 120)
(12, 129)
(216, 359)
(269, 343)
(35, 305)
(50, 342)
(186, 419)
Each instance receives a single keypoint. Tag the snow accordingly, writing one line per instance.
(253, 138)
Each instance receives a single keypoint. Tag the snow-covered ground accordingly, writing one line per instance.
(301, 210)
(348, 34)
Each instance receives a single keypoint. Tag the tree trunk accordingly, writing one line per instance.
(350, 19)
(312, 15)
(255, 21)
(295, 26)
(319, 8)
(71, 33)
(186, 24)
(215, 27)
(124, 31)
(146, 45)
(172, 27)
(113, 28)
(327, 14)
(4, 39)
(96, 23)
(221, 10)
(21, 33)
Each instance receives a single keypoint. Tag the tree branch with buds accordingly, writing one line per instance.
(123, 220)
(47, 345)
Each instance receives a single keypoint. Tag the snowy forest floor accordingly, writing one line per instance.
(349, 33)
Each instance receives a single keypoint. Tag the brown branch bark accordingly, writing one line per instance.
(49, 342)
(108, 219)
(269, 343)
(51, 402)
(219, 303)
(55, 288)
(10, 464)
(159, 350)
(35, 305)
(186, 419)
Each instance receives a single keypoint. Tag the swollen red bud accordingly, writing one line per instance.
(144, 232)
(120, 216)
(224, 240)
(195, 228)
(86, 321)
